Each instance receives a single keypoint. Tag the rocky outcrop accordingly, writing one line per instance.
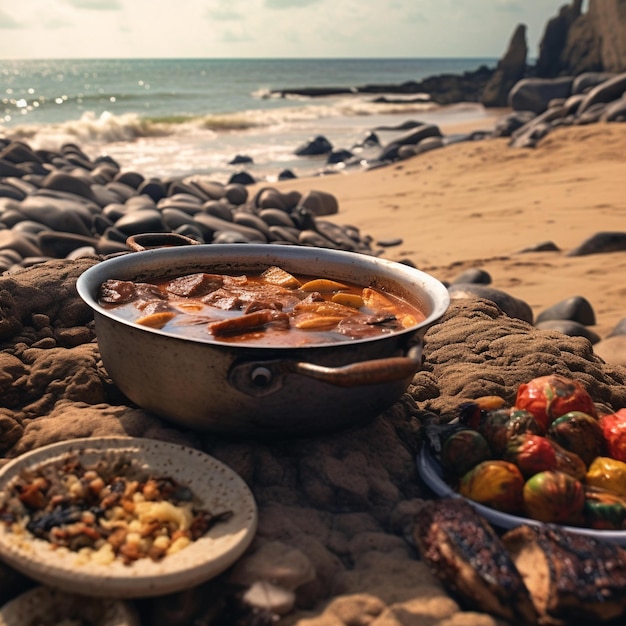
(441, 89)
(609, 22)
(576, 42)
(555, 38)
(509, 71)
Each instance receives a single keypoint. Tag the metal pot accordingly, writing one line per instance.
(211, 386)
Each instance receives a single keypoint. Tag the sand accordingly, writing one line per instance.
(478, 204)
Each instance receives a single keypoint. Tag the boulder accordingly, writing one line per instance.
(509, 71)
(535, 94)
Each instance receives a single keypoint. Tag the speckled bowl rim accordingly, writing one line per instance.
(215, 484)
(431, 472)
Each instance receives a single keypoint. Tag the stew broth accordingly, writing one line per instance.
(271, 308)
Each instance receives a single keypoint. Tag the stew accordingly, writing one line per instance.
(273, 308)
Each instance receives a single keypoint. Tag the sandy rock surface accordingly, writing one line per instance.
(335, 511)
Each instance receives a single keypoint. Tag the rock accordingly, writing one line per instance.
(320, 203)
(60, 214)
(236, 193)
(252, 221)
(122, 190)
(316, 146)
(569, 328)
(549, 62)
(530, 135)
(155, 189)
(600, 243)
(542, 246)
(269, 597)
(576, 42)
(14, 240)
(389, 243)
(534, 94)
(240, 158)
(61, 181)
(425, 145)
(286, 175)
(210, 226)
(576, 309)
(619, 329)
(284, 234)
(510, 69)
(474, 276)
(132, 179)
(274, 561)
(339, 156)
(614, 111)
(60, 245)
(370, 140)
(612, 350)
(276, 217)
(604, 92)
(414, 136)
(513, 307)
(241, 178)
(141, 221)
(507, 124)
(584, 82)
(19, 152)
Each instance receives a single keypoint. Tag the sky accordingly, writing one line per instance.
(45, 29)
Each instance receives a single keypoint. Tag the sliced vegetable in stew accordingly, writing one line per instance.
(273, 308)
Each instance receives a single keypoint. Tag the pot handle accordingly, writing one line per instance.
(364, 373)
(145, 241)
(261, 378)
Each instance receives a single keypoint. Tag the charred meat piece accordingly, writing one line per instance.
(194, 285)
(572, 578)
(122, 291)
(223, 299)
(464, 552)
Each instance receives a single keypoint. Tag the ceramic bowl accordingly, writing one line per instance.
(431, 473)
(217, 486)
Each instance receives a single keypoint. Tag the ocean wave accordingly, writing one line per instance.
(107, 127)
(348, 106)
(93, 129)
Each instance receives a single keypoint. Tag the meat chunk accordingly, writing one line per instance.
(194, 285)
(464, 552)
(572, 578)
(122, 291)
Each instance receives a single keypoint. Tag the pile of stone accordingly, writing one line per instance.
(57, 205)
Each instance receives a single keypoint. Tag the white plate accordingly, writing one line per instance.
(44, 605)
(431, 472)
(217, 486)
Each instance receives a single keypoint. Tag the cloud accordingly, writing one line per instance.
(97, 5)
(287, 4)
(7, 21)
(224, 15)
(510, 6)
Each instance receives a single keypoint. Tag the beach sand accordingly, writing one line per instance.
(478, 204)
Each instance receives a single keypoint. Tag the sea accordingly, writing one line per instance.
(177, 117)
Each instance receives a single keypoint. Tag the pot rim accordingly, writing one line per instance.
(434, 297)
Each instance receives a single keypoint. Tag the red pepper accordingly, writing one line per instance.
(549, 397)
(614, 430)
